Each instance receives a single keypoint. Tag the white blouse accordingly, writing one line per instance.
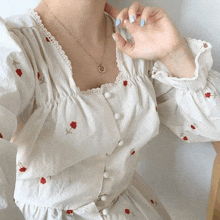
(77, 151)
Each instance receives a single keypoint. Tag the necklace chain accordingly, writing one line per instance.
(101, 68)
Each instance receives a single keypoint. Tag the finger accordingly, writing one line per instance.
(151, 14)
(121, 17)
(123, 45)
(111, 10)
(135, 10)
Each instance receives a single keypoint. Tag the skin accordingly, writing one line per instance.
(84, 18)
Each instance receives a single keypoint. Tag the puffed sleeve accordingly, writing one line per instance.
(190, 107)
(17, 86)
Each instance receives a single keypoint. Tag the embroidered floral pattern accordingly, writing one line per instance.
(22, 168)
(125, 82)
(43, 180)
(185, 138)
(69, 211)
(208, 95)
(1, 135)
(133, 152)
(41, 79)
(154, 202)
(127, 211)
(193, 127)
(73, 125)
(47, 39)
(19, 72)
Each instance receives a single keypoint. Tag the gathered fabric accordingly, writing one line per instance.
(77, 151)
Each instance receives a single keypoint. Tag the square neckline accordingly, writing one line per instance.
(67, 61)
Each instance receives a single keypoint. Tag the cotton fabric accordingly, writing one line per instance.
(77, 151)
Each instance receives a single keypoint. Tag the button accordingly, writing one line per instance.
(106, 174)
(107, 95)
(104, 198)
(120, 143)
(105, 211)
(117, 115)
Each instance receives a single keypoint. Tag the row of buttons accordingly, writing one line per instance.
(116, 115)
(106, 174)
(120, 143)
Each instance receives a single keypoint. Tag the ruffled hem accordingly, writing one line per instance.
(203, 60)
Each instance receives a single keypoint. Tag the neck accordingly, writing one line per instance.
(84, 19)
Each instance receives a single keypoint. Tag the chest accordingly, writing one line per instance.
(85, 61)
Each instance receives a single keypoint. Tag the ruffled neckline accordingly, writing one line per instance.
(59, 48)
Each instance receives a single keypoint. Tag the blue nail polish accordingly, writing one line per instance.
(118, 21)
(142, 22)
(131, 18)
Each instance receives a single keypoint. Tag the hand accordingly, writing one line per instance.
(155, 40)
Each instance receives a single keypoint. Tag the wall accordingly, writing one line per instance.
(179, 173)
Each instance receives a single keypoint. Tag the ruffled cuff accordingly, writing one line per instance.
(201, 50)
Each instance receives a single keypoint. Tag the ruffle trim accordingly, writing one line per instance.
(108, 86)
(201, 50)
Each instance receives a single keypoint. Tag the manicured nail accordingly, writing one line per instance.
(118, 21)
(113, 37)
(142, 22)
(131, 18)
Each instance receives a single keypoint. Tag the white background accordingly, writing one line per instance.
(179, 173)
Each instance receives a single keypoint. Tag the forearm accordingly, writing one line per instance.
(180, 62)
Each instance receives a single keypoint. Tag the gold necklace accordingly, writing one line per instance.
(100, 67)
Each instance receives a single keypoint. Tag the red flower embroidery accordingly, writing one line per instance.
(1, 135)
(207, 95)
(69, 211)
(125, 83)
(43, 180)
(185, 138)
(38, 75)
(133, 152)
(73, 125)
(127, 211)
(47, 39)
(205, 45)
(193, 127)
(22, 169)
(152, 201)
(19, 72)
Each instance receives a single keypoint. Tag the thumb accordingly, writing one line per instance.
(122, 44)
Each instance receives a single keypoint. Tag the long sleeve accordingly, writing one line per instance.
(17, 86)
(190, 107)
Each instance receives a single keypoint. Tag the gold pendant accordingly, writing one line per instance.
(101, 69)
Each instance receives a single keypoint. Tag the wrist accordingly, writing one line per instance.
(180, 62)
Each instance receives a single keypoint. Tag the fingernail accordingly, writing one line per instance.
(118, 21)
(131, 18)
(113, 37)
(142, 22)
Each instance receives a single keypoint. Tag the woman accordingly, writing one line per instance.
(86, 104)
